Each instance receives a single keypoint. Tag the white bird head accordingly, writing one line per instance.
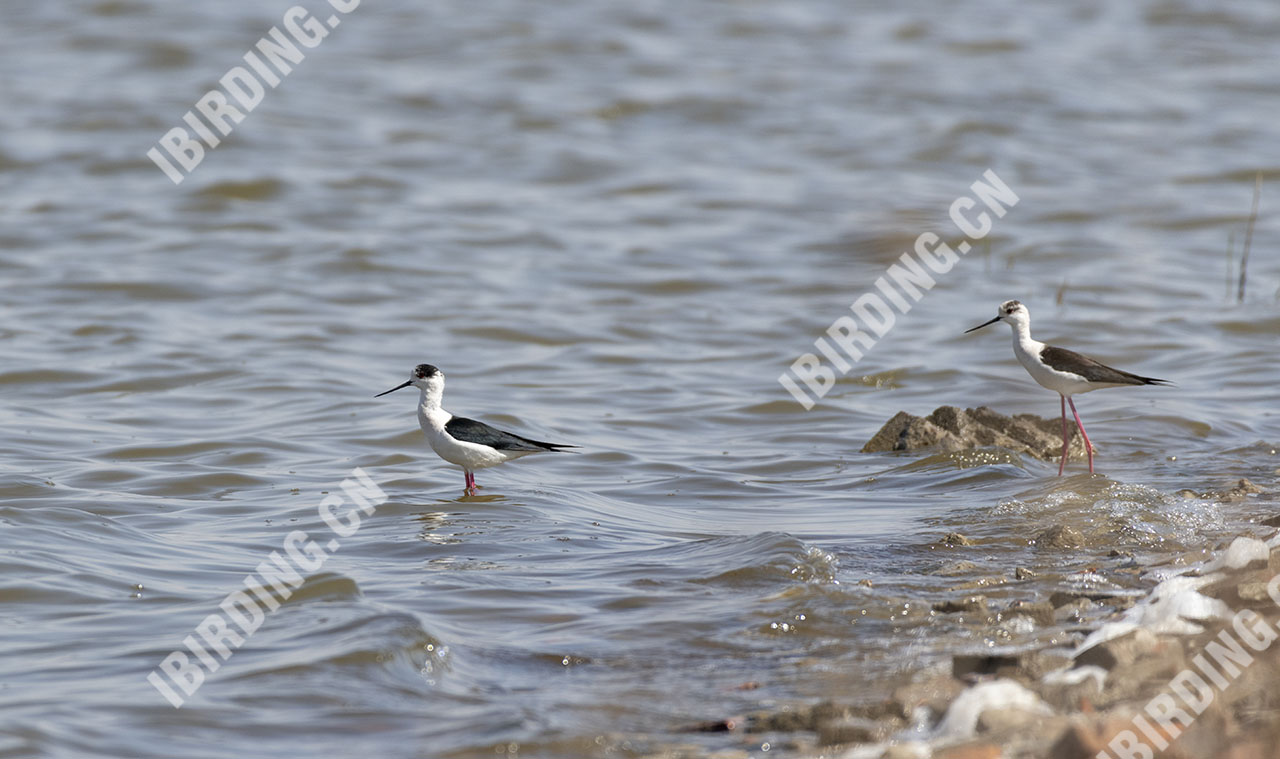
(424, 377)
(1010, 311)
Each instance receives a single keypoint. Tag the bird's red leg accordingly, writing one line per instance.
(471, 482)
(1088, 447)
(1066, 440)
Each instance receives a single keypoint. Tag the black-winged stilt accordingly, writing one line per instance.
(1060, 370)
(465, 442)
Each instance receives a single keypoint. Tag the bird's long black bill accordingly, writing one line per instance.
(397, 387)
(980, 326)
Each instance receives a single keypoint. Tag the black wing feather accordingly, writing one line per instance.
(1092, 370)
(471, 431)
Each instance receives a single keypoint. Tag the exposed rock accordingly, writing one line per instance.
(728, 724)
(1254, 691)
(1250, 750)
(1022, 573)
(1066, 597)
(981, 582)
(1128, 682)
(886, 716)
(910, 750)
(1253, 591)
(850, 730)
(1120, 603)
(1241, 490)
(1034, 665)
(1073, 611)
(1079, 740)
(1026, 667)
(1001, 720)
(827, 710)
(787, 720)
(888, 710)
(955, 568)
(1242, 589)
(937, 693)
(1122, 650)
(966, 665)
(1095, 695)
(970, 604)
(951, 429)
(1040, 612)
(1087, 736)
(1066, 690)
(1059, 536)
(953, 539)
(975, 750)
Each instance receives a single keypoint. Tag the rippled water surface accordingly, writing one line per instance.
(612, 225)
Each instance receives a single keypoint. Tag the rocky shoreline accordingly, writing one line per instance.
(1203, 644)
(1188, 669)
(1199, 652)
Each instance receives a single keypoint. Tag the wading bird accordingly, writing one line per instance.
(1060, 370)
(465, 442)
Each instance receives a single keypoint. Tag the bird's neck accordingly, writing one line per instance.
(429, 400)
(1022, 340)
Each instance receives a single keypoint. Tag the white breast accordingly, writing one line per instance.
(1028, 353)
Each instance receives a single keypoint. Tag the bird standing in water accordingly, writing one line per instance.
(465, 442)
(1060, 370)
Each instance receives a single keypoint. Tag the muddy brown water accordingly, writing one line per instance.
(612, 225)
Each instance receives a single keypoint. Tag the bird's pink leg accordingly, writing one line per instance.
(471, 483)
(1066, 440)
(1088, 447)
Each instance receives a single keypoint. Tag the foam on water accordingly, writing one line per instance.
(961, 719)
(1242, 552)
(1175, 605)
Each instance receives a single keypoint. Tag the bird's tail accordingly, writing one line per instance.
(560, 447)
(556, 447)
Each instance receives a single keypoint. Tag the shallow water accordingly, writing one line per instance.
(614, 226)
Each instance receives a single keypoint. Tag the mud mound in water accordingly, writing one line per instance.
(952, 429)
